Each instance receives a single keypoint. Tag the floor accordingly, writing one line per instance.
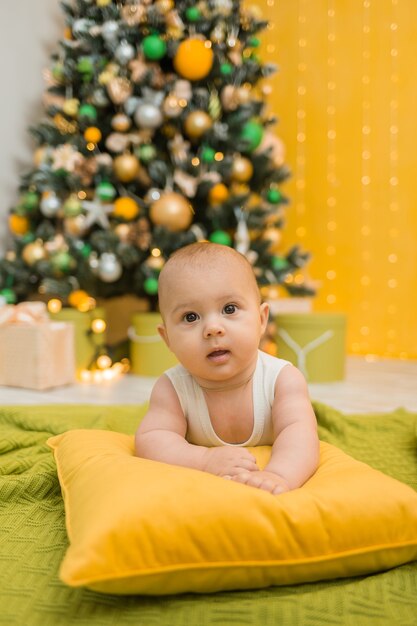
(370, 385)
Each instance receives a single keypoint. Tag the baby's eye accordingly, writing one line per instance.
(191, 317)
(229, 309)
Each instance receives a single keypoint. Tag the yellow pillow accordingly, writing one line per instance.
(139, 526)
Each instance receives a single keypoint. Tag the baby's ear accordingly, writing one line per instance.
(264, 313)
(163, 333)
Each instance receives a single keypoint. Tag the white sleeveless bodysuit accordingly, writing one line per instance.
(199, 428)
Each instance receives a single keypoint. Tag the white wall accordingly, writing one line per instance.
(29, 32)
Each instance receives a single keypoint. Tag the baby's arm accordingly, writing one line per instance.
(295, 453)
(161, 437)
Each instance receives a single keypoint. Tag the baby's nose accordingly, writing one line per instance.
(213, 330)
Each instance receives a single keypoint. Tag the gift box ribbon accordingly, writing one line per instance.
(24, 313)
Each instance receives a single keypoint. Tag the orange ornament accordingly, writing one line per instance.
(126, 208)
(194, 58)
(218, 194)
(18, 224)
(92, 134)
(77, 298)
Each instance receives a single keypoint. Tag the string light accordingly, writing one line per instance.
(393, 252)
(299, 201)
(54, 305)
(362, 346)
(331, 201)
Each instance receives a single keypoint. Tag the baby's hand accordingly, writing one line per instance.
(268, 481)
(228, 461)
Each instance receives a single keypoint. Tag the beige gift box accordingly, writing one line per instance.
(34, 352)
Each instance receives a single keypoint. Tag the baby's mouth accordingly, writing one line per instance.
(218, 355)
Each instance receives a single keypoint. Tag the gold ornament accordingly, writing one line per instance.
(63, 125)
(197, 123)
(75, 226)
(138, 68)
(103, 3)
(125, 208)
(171, 106)
(70, 107)
(34, 252)
(244, 93)
(229, 98)
(121, 122)
(119, 89)
(143, 239)
(133, 14)
(239, 189)
(273, 236)
(124, 232)
(173, 211)
(117, 142)
(164, 5)
(155, 262)
(214, 105)
(40, 155)
(242, 169)
(126, 167)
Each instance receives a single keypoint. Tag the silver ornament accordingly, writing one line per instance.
(125, 53)
(100, 98)
(49, 204)
(109, 267)
(148, 116)
(81, 26)
(109, 30)
(93, 262)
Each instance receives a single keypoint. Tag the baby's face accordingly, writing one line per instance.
(214, 321)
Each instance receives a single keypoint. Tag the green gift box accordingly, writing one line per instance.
(314, 342)
(149, 355)
(87, 343)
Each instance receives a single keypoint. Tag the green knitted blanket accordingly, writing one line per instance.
(33, 537)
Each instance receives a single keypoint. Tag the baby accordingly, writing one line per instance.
(225, 395)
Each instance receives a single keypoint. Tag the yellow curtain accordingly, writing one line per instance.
(345, 96)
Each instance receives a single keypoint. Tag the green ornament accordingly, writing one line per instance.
(88, 111)
(193, 14)
(85, 66)
(62, 262)
(254, 42)
(58, 72)
(279, 263)
(220, 236)
(106, 191)
(146, 153)
(85, 250)
(72, 207)
(150, 286)
(226, 69)
(9, 295)
(154, 48)
(207, 154)
(274, 196)
(252, 133)
(28, 238)
(30, 201)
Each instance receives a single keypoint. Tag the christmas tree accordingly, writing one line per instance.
(156, 134)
